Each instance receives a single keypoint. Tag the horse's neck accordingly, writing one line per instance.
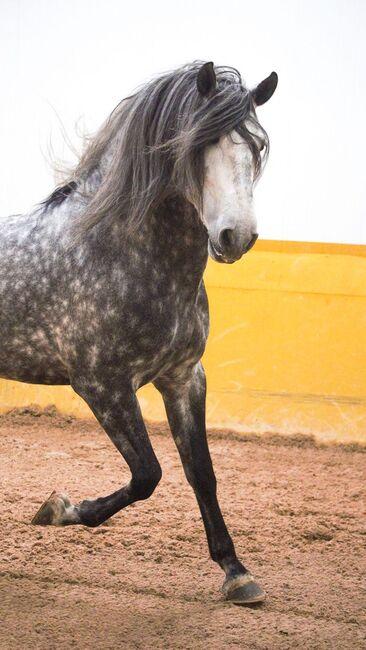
(179, 239)
(173, 241)
(173, 237)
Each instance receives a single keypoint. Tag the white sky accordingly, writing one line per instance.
(78, 58)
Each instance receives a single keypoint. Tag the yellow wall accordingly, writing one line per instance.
(287, 347)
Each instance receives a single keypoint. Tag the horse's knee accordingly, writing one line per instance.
(144, 483)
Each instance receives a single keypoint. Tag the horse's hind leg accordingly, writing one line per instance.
(185, 406)
(124, 424)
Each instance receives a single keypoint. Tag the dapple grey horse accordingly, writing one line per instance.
(101, 286)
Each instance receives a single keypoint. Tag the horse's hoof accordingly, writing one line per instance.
(243, 590)
(57, 510)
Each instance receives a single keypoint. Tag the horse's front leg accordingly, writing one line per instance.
(185, 406)
(122, 421)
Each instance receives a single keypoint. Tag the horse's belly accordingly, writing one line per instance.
(32, 368)
(27, 355)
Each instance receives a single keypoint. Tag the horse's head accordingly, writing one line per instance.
(231, 166)
(192, 133)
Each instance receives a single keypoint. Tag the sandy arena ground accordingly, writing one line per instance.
(145, 579)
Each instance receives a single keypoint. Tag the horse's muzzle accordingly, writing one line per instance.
(228, 249)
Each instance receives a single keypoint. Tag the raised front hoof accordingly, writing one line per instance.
(243, 590)
(57, 510)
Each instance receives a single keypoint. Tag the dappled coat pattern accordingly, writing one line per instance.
(101, 285)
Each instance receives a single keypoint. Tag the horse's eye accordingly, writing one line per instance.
(215, 141)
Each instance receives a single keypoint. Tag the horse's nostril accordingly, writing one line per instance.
(231, 245)
(226, 239)
(251, 243)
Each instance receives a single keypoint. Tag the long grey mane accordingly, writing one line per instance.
(151, 147)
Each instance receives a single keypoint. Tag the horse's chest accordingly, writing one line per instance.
(175, 337)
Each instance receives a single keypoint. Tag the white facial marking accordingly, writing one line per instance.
(228, 191)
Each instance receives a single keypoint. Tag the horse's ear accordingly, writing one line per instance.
(206, 79)
(264, 91)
